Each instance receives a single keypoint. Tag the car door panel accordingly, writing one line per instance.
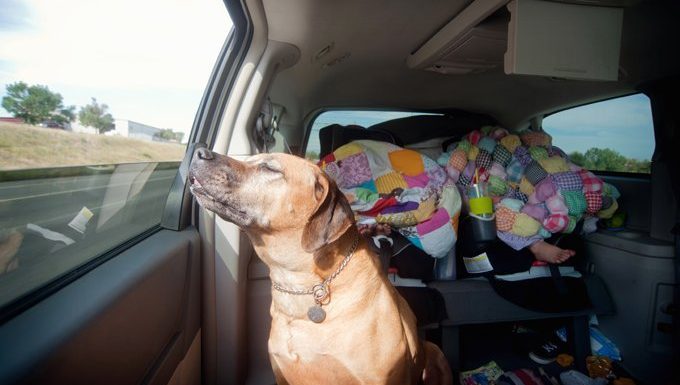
(128, 321)
(635, 199)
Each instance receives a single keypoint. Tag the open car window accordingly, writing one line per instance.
(93, 125)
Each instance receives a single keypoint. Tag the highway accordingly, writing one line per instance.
(134, 192)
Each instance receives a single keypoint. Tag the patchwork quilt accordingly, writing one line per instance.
(537, 191)
(391, 185)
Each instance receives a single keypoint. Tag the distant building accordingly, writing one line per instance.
(131, 129)
(126, 128)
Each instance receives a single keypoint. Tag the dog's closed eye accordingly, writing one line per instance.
(269, 167)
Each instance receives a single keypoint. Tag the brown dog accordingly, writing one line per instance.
(335, 317)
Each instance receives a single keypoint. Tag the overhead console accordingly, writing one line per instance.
(465, 44)
(566, 39)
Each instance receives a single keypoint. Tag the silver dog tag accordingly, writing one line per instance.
(316, 314)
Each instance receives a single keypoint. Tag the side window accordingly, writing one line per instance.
(612, 135)
(363, 118)
(98, 100)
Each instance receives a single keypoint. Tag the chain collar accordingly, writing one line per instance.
(320, 291)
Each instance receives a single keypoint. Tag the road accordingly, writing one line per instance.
(53, 202)
(126, 200)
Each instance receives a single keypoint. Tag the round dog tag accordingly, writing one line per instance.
(316, 314)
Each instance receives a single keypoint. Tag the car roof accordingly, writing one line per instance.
(353, 54)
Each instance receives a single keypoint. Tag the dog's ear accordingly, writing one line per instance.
(332, 218)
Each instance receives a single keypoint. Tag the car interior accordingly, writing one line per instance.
(189, 302)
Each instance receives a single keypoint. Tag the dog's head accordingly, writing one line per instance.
(272, 193)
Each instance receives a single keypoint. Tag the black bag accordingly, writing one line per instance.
(550, 294)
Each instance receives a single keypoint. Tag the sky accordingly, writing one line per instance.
(148, 60)
(622, 124)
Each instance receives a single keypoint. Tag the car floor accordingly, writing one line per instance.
(509, 344)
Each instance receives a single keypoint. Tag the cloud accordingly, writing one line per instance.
(627, 112)
(14, 14)
(88, 48)
(624, 124)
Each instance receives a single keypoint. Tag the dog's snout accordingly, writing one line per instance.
(204, 154)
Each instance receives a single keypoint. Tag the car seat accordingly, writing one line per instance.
(468, 301)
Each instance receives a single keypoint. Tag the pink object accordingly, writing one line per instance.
(453, 173)
(438, 219)
(556, 205)
(532, 199)
(538, 212)
(483, 175)
(474, 137)
(355, 170)
(416, 181)
(591, 183)
(556, 222)
(593, 201)
(499, 133)
(545, 189)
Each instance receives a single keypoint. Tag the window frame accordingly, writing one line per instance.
(179, 199)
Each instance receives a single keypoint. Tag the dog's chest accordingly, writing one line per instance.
(334, 353)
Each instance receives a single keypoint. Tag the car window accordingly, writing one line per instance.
(363, 118)
(612, 135)
(98, 100)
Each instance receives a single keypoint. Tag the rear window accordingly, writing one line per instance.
(363, 118)
(611, 135)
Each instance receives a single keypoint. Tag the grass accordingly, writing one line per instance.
(24, 146)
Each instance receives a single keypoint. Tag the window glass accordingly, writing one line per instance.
(612, 135)
(98, 98)
(363, 118)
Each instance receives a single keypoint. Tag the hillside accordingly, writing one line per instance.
(25, 146)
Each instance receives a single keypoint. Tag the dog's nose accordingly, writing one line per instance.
(204, 153)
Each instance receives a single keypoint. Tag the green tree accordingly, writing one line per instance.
(577, 158)
(606, 159)
(36, 104)
(169, 134)
(96, 115)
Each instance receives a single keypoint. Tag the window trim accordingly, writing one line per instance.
(593, 102)
(179, 202)
(621, 174)
(204, 129)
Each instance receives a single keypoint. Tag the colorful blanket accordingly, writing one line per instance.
(537, 191)
(391, 185)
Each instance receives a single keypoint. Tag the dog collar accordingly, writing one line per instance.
(321, 291)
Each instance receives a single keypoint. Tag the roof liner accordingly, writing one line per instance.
(353, 54)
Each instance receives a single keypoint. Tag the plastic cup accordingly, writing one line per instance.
(479, 200)
(478, 190)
